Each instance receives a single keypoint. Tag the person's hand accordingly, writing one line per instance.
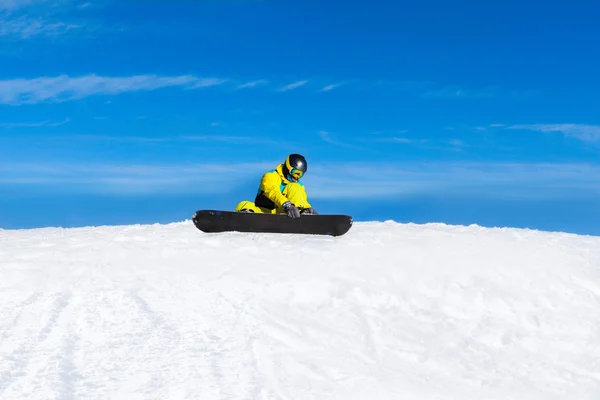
(291, 210)
(309, 211)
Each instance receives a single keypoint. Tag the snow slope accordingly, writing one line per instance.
(389, 311)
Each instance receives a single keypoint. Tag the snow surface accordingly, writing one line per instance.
(389, 311)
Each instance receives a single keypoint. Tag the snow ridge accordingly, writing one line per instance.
(388, 311)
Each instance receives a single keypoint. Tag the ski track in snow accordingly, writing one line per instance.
(389, 311)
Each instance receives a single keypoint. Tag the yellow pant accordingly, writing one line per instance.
(294, 193)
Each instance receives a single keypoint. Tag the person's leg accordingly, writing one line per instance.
(249, 206)
(296, 193)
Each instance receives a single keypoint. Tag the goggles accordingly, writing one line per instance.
(296, 174)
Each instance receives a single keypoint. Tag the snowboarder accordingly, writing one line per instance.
(281, 192)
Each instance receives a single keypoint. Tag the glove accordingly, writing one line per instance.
(291, 210)
(309, 211)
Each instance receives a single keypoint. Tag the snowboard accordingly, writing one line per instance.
(212, 221)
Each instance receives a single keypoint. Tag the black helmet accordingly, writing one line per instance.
(295, 167)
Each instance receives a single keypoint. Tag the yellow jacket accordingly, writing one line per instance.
(275, 189)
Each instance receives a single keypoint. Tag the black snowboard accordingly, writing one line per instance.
(211, 221)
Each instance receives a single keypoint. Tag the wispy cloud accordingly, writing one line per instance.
(33, 124)
(108, 138)
(132, 179)
(401, 86)
(253, 84)
(25, 27)
(329, 137)
(388, 132)
(25, 19)
(331, 87)
(65, 88)
(231, 139)
(439, 144)
(454, 145)
(457, 143)
(199, 83)
(589, 133)
(497, 180)
(16, 4)
(293, 86)
(399, 139)
(369, 180)
(326, 136)
(458, 92)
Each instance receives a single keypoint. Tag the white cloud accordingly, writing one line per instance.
(202, 83)
(399, 139)
(232, 139)
(331, 87)
(228, 139)
(294, 85)
(253, 84)
(368, 180)
(33, 124)
(329, 138)
(454, 145)
(26, 28)
(65, 88)
(16, 4)
(497, 180)
(588, 133)
(458, 92)
(457, 143)
(25, 19)
(106, 138)
(392, 131)
(133, 178)
(326, 137)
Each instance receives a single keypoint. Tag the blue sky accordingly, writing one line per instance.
(144, 111)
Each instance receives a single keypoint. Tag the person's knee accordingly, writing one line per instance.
(247, 206)
(250, 206)
(297, 195)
